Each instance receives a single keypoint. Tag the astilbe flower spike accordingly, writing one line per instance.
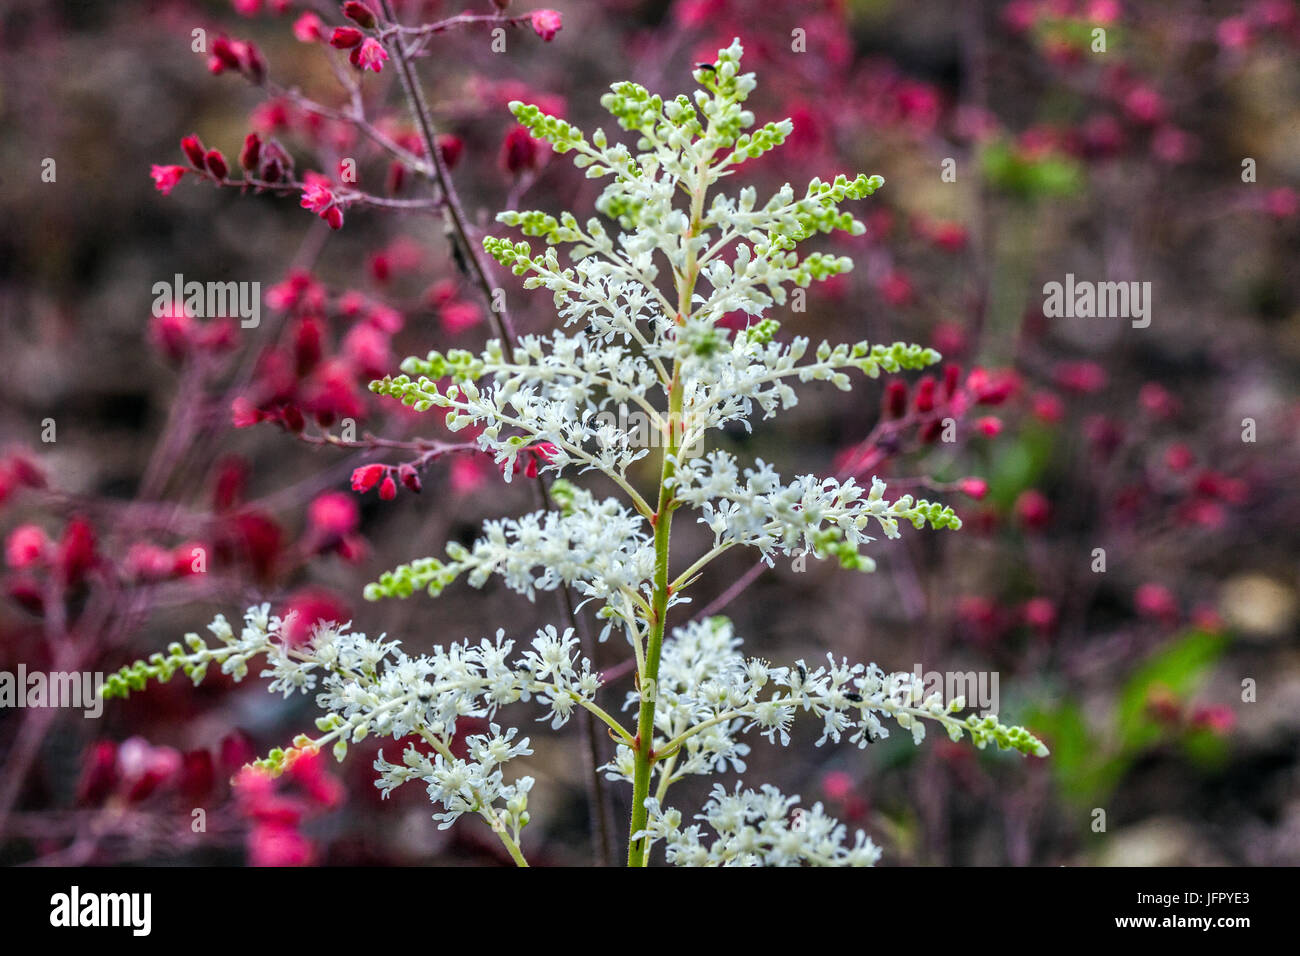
(540, 405)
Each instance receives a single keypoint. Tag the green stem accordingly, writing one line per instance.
(649, 676)
(638, 847)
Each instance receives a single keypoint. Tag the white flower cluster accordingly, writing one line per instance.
(709, 693)
(819, 515)
(757, 828)
(596, 546)
(372, 687)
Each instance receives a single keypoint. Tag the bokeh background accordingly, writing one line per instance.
(1015, 151)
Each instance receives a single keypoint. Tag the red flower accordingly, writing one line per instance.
(519, 151)
(165, 178)
(308, 607)
(388, 488)
(367, 476)
(989, 425)
(27, 545)
(547, 23)
(1033, 509)
(450, 146)
(99, 774)
(371, 55)
(76, 553)
(975, 488)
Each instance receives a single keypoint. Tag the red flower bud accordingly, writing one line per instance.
(345, 38)
(519, 151)
(975, 488)
(252, 151)
(388, 489)
(895, 398)
(450, 147)
(76, 553)
(225, 56)
(409, 477)
(216, 163)
(192, 146)
(359, 13)
(291, 418)
(951, 379)
(989, 425)
(925, 395)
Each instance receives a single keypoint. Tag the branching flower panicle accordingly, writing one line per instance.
(640, 293)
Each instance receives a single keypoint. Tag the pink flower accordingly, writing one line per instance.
(459, 315)
(1033, 509)
(244, 414)
(278, 844)
(369, 56)
(1082, 377)
(27, 545)
(837, 785)
(1282, 203)
(989, 425)
(1233, 33)
(309, 29)
(165, 178)
(1156, 601)
(334, 514)
(975, 488)
(547, 23)
(467, 474)
(1039, 614)
(143, 768)
(318, 196)
(1216, 718)
(149, 562)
